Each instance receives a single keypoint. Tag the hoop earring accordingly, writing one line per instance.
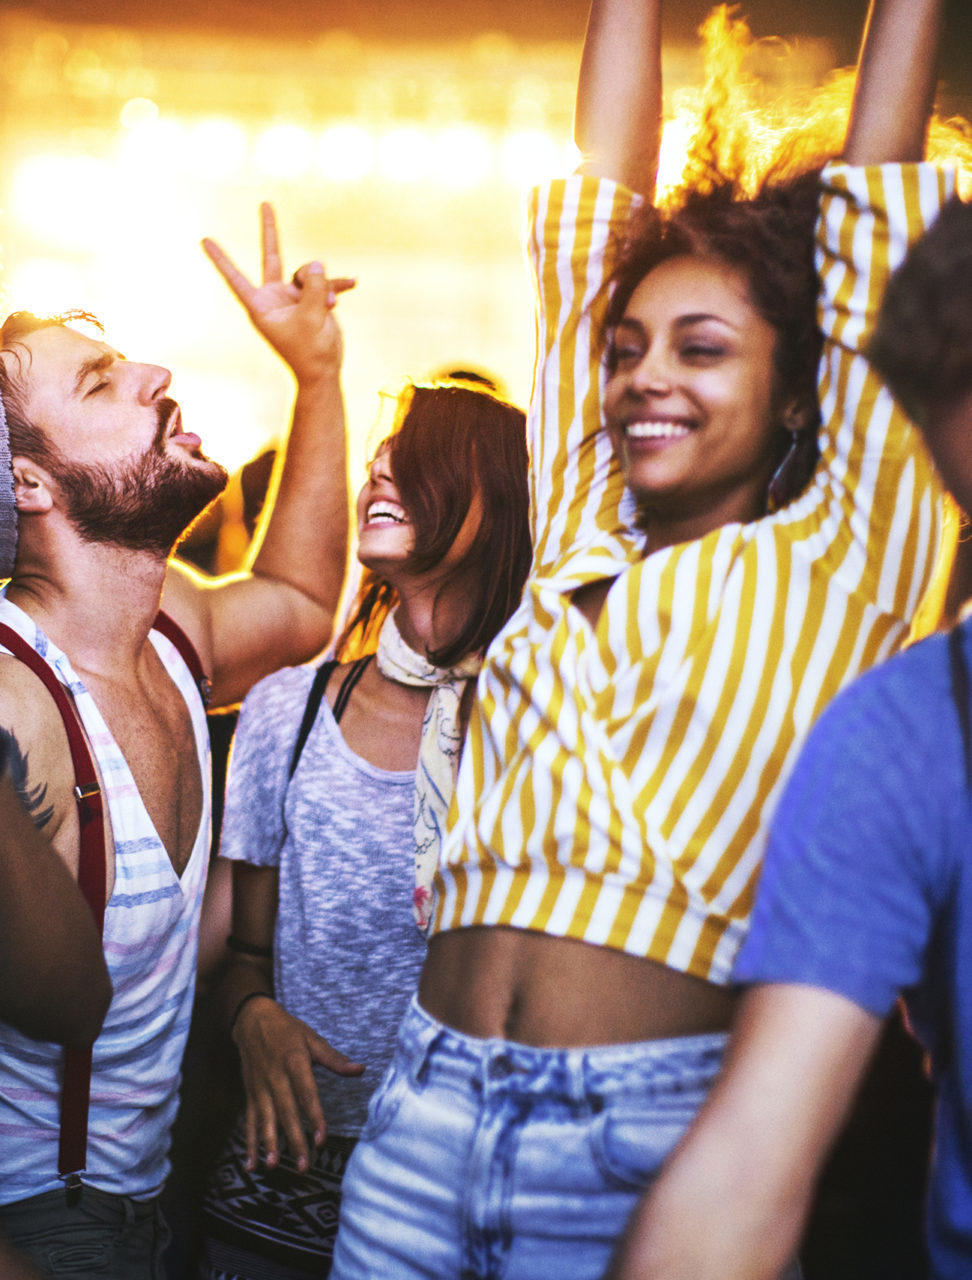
(779, 491)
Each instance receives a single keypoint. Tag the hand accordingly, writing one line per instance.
(296, 316)
(276, 1054)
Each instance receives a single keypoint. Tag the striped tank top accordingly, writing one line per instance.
(150, 938)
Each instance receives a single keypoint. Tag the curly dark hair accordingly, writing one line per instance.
(922, 345)
(751, 204)
(451, 442)
(769, 239)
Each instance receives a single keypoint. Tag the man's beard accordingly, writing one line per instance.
(145, 504)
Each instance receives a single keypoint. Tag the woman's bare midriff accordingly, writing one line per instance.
(556, 992)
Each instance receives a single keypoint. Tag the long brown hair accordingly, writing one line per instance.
(451, 443)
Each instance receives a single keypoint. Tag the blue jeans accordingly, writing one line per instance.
(102, 1237)
(482, 1158)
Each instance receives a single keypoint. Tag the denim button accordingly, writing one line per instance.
(501, 1068)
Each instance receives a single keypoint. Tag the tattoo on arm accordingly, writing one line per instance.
(33, 798)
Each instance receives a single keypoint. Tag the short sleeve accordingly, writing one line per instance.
(259, 769)
(853, 876)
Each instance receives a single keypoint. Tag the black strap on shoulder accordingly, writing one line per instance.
(313, 704)
(355, 672)
(961, 695)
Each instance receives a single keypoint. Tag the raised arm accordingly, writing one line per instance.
(733, 1199)
(617, 123)
(281, 609)
(895, 82)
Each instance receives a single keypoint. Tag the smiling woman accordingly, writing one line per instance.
(691, 402)
(334, 811)
(637, 716)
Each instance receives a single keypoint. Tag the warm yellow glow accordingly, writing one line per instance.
(528, 155)
(403, 165)
(676, 135)
(464, 156)
(44, 286)
(215, 148)
(138, 112)
(405, 154)
(284, 151)
(156, 146)
(66, 199)
(346, 152)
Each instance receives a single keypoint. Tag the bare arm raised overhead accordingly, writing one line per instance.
(617, 123)
(575, 240)
(281, 610)
(895, 82)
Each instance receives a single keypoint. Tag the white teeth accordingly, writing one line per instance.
(656, 430)
(385, 513)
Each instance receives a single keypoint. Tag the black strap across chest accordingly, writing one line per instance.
(321, 676)
(92, 870)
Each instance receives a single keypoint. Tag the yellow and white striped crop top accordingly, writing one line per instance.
(617, 781)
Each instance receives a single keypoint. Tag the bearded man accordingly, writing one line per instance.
(98, 479)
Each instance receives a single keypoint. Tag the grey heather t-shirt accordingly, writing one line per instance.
(347, 953)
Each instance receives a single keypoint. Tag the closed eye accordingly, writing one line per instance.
(702, 351)
(621, 355)
(98, 386)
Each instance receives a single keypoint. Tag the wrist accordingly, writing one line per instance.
(241, 1004)
(319, 378)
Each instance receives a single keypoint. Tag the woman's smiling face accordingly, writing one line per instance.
(690, 403)
(385, 534)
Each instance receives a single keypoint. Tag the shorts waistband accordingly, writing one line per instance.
(645, 1067)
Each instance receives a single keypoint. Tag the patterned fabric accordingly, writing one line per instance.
(272, 1224)
(150, 937)
(617, 779)
(439, 749)
(346, 955)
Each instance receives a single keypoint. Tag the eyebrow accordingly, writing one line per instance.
(97, 364)
(681, 322)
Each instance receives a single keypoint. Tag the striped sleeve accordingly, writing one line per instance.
(576, 230)
(878, 481)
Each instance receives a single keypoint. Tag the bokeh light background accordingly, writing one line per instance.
(403, 163)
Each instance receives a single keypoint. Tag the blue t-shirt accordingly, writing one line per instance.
(867, 891)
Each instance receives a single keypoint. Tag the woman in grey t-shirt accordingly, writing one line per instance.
(333, 817)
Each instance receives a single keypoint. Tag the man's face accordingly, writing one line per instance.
(127, 472)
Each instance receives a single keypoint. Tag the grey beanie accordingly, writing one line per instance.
(8, 503)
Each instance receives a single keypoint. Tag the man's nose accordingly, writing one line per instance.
(153, 382)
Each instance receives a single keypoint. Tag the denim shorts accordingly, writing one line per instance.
(102, 1237)
(484, 1158)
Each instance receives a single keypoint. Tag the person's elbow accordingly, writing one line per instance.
(86, 1014)
(74, 1015)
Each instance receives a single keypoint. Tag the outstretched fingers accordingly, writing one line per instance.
(270, 245)
(240, 284)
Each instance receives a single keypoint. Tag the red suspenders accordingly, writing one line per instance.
(76, 1088)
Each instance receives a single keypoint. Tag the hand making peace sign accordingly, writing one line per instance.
(295, 316)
